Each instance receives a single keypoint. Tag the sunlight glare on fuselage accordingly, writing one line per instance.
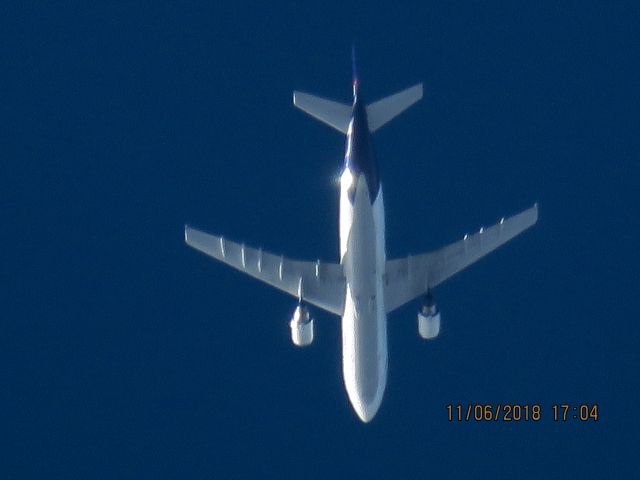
(346, 179)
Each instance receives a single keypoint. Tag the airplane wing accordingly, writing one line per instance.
(320, 284)
(410, 277)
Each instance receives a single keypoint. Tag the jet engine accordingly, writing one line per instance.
(301, 326)
(428, 319)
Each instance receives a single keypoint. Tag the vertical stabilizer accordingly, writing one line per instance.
(354, 72)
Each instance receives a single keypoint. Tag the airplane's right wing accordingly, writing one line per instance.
(410, 277)
(320, 284)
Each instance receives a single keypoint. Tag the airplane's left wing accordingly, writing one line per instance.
(318, 283)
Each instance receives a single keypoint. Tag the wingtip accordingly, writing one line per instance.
(295, 97)
(186, 232)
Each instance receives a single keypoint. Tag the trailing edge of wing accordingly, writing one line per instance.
(320, 284)
(410, 277)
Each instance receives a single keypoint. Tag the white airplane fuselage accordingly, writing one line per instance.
(364, 286)
(362, 255)
(354, 288)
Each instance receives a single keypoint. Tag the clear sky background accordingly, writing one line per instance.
(125, 354)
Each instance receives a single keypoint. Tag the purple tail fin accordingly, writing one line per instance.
(354, 71)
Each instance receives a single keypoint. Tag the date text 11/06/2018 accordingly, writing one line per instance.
(501, 412)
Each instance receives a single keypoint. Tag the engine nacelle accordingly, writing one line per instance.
(429, 320)
(301, 327)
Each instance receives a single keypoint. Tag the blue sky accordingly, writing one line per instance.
(127, 355)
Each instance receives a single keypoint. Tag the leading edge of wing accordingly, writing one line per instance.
(318, 283)
(412, 276)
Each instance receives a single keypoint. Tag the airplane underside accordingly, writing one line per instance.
(363, 287)
(364, 322)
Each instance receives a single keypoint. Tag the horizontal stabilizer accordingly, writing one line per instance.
(334, 114)
(380, 112)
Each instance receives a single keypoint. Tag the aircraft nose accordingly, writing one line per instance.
(365, 391)
(366, 411)
(366, 406)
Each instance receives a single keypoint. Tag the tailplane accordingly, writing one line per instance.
(338, 115)
(380, 112)
(334, 114)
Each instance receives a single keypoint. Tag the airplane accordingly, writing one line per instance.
(363, 287)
